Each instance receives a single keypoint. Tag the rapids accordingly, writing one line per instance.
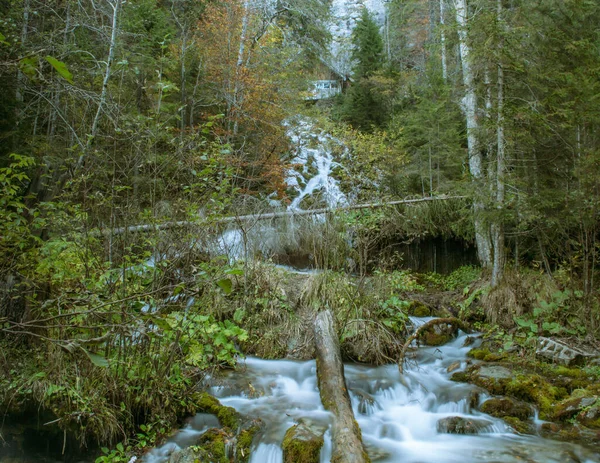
(398, 414)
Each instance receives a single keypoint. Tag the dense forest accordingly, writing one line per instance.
(161, 159)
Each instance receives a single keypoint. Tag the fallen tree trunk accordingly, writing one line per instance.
(269, 215)
(345, 433)
(424, 327)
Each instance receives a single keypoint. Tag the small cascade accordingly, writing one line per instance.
(399, 415)
(314, 164)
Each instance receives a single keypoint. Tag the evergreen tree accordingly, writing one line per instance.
(363, 105)
(368, 46)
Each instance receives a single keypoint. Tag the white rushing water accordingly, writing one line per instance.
(314, 163)
(398, 414)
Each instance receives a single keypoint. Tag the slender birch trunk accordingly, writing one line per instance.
(237, 97)
(469, 107)
(443, 40)
(498, 226)
(109, 61)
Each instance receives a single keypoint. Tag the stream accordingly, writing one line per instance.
(398, 414)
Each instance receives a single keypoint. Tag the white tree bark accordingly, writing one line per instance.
(498, 227)
(443, 40)
(469, 107)
(116, 6)
(237, 97)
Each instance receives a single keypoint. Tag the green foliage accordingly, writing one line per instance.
(368, 46)
(553, 317)
(61, 68)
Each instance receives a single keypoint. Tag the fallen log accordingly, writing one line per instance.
(268, 215)
(424, 327)
(345, 434)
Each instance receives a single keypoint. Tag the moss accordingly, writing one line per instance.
(518, 425)
(478, 353)
(434, 339)
(419, 309)
(213, 442)
(485, 355)
(460, 377)
(534, 388)
(244, 441)
(503, 407)
(301, 444)
(227, 416)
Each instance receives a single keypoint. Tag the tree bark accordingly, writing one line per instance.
(443, 40)
(109, 61)
(498, 226)
(273, 215)
(469, 107)
(345, 433)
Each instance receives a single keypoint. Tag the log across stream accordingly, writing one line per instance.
(399, 415)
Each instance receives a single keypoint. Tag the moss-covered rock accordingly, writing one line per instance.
(227, 416)
(485, 355)
(571, 433)
(245, 438)
(211, 447)
(520, 426)
(418, 309)
(535, 389)
(438, 334)
(572, 406)
(461, 425)
(503, 407)
(302, 443)
(492, 377)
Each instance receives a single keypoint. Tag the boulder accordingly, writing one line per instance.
(559, 352)
(504, 406)
(461, 425)
(303, 443)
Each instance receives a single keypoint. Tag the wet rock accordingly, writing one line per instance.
(302, 443)
(439, 334)
(418, 309)
(365, 401)
(570, 407)
(245, 438)
(469, 340)
(492, 377)
(211, 446)
(461, 425)
(503, 407)
(571, 433)
(453, 367)
(227, 416)
(520, 426)
(559, 352)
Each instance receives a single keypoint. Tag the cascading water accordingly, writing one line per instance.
(314, 163)
(398, 414)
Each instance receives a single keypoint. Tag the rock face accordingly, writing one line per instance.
(460, 425)
(559, 352)
(344, 16)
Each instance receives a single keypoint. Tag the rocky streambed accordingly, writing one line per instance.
(446, 407)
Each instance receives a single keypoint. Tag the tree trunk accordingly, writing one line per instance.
(469, 107)
(498, 226)
(109, 61)
(237, 97)
(345, 433)
(443, 40)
